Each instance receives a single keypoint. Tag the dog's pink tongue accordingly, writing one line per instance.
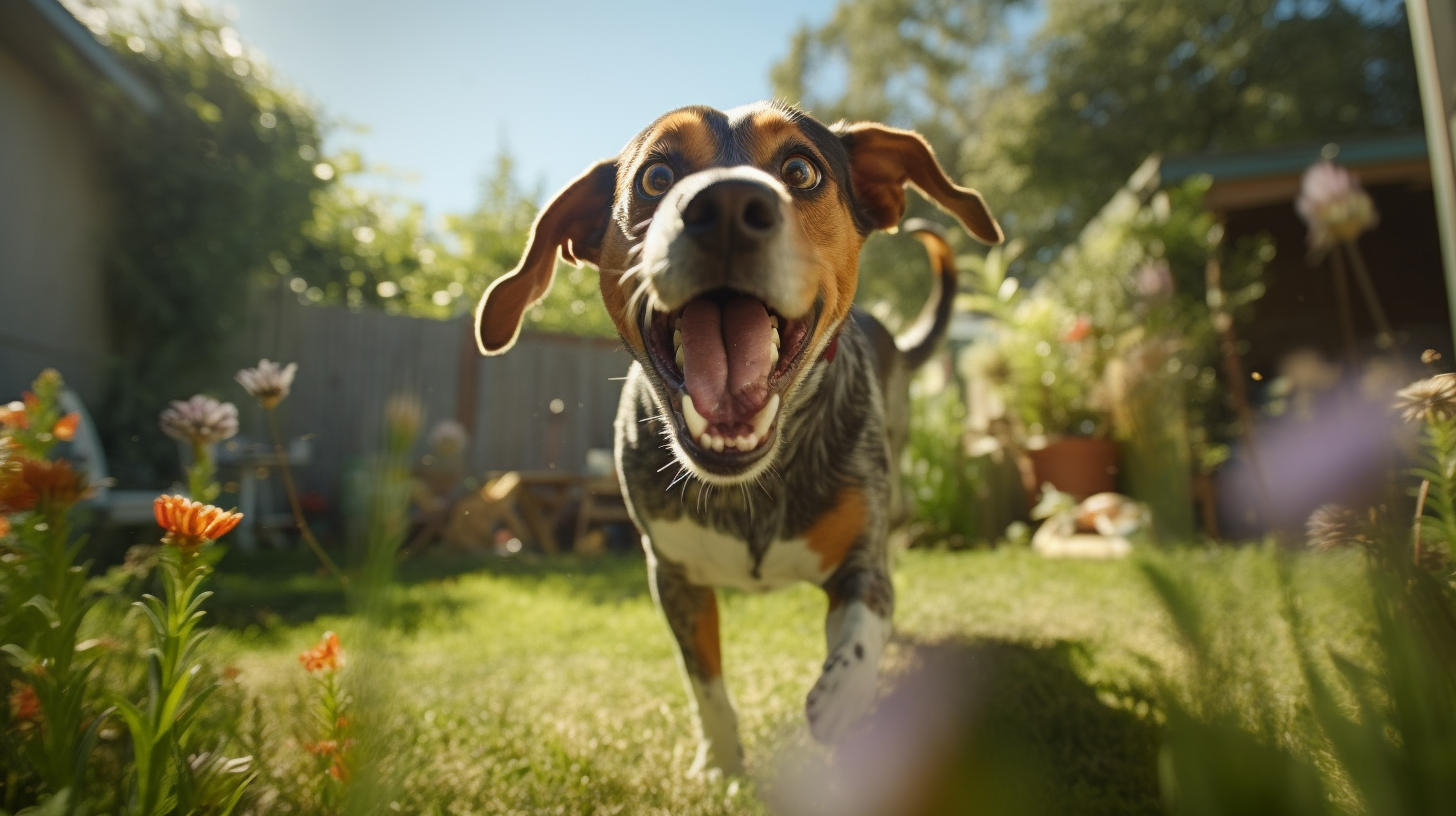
(726, 356)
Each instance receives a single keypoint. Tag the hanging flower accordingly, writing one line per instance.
(269, 383)
(1433, 398)
(1079, 331)
(1334, 205)
(326, 656)
(191, 524)
(200, 420)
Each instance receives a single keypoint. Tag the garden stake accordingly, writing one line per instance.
(303, 529)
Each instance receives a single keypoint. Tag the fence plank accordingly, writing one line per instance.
(351, 361)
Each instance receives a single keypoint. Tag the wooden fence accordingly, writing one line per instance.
(351, 362)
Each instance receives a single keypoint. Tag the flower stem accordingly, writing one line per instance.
(1384, 336)
(293, 503)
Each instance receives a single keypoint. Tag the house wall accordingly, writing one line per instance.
(52, 218)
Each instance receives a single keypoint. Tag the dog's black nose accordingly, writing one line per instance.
(733, 215)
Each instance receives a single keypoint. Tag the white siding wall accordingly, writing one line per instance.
(52, 217)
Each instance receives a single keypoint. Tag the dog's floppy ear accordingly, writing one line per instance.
(883, 160)
(573, 222)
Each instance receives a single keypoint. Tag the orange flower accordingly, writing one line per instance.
(53, 481)
(24, 704)
(191, 524)
(326, 656)
(13, 416)
(1079, 330)
(65, 429)
(4, 526)
(338, 769)
(15, 495)
(324, 748)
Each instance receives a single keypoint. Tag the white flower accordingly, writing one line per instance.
(1334, 205)
(201, 420)
(448, 437)
(269, 382)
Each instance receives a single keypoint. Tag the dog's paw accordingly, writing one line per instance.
(712, 761)
(843, 694)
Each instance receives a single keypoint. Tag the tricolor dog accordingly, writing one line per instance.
(760, 425)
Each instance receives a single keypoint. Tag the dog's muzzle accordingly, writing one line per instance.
(734, 311)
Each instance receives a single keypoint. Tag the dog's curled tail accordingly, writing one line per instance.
(927, 334)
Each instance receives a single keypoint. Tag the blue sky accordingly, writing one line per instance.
(439, 86)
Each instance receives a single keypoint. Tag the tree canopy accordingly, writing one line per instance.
(1048, 107)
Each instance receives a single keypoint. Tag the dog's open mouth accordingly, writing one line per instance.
(726, 358)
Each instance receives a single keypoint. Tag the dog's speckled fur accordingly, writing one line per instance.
(813, 501)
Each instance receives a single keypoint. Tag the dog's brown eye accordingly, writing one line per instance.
(656, 179)
(800, 173)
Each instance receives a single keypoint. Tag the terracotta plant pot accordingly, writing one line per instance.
(1077, 465)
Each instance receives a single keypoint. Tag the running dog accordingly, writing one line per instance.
(760, 426)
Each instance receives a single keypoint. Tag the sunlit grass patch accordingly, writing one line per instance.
(553, 686)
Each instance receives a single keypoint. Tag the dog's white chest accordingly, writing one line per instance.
(711, 558)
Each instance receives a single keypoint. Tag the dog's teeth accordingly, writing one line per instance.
(718, 444)
(680, 357)
(765, 417)
(776, 340)
(773, 320)
(749, 442)
(697, 426)
(773, 356)
(677, 338)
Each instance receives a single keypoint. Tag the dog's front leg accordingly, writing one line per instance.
(861, 600)
(692, 614)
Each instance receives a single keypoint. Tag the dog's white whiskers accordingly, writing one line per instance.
(646, 420)
(682, 473)
(666, 466)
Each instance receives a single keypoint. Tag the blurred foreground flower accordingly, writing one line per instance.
(1332, 526)
(1431, 399)
(269, 382)
(200, 420)
(12, 415)
(191, 524)
(326, 656)
(24, 703)
(54, 483)
(1334, 205)
(65, 427)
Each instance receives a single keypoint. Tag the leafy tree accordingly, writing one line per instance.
(1051, 124)
(205, 190)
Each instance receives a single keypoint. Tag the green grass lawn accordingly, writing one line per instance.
(552, 687)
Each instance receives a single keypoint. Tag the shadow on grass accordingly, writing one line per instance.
(290, 588)
(991, 727)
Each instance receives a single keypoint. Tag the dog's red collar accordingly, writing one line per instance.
(831, 349)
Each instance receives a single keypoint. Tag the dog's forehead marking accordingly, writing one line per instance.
(706, 137)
